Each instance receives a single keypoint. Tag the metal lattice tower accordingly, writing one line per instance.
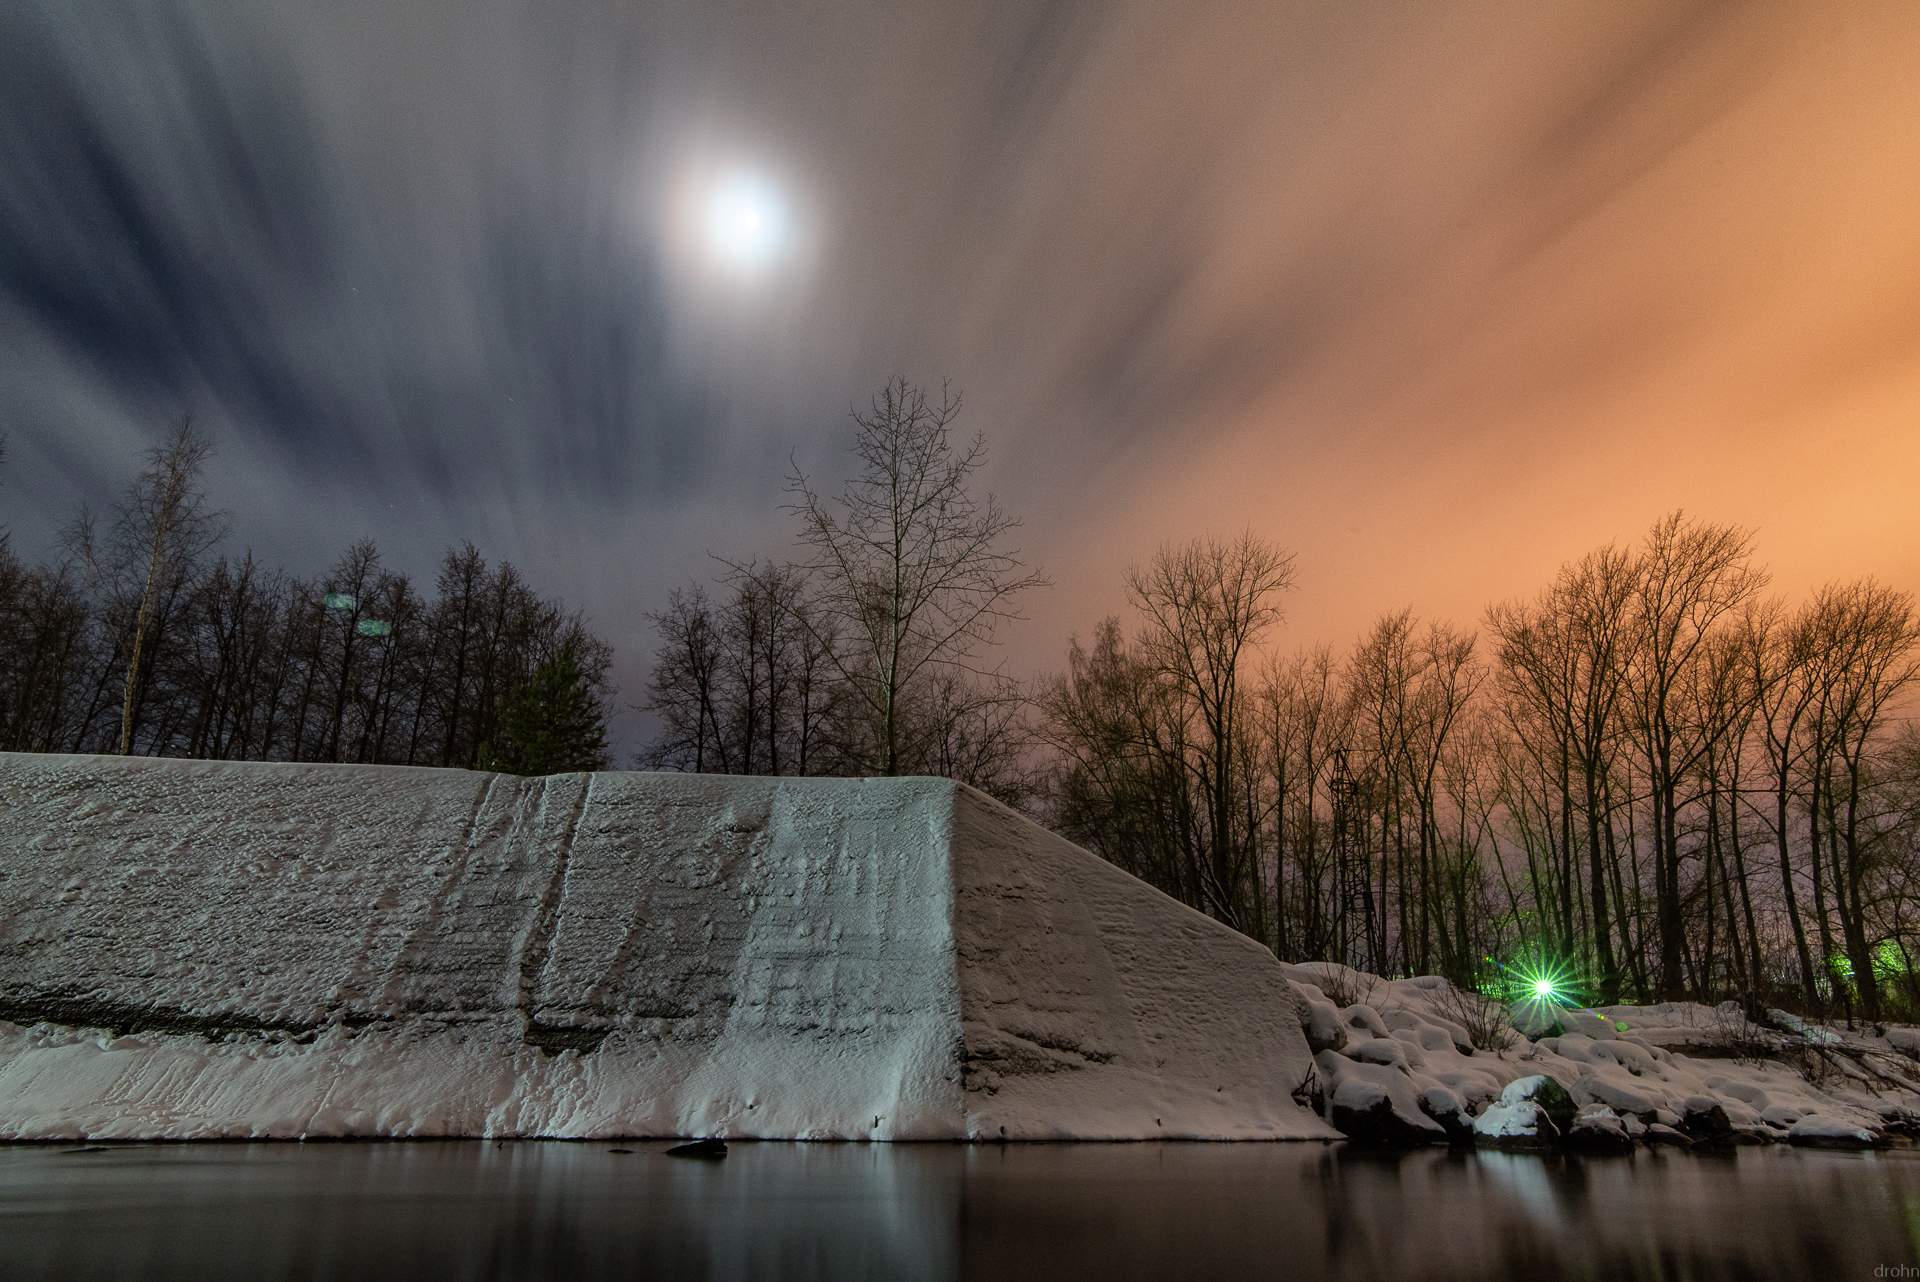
(1353, 895)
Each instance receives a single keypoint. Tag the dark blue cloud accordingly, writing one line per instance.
(191, 239)
(104, 244)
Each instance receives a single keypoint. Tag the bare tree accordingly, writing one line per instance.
(1409, 692)
(1562, 656)
(1207, 603)
(1450, 677)
(159, 530)
(743, 685)
(763, 653)
(977, 732)
(683, 690)
(1124, 789)
(1862, 652)
(906, 558)
(1304, 716)
(1779, 650)
(1692, 575)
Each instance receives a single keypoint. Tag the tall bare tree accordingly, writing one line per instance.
(1207, 603)
(159, 530)
(1692, 576)
(906, 559)
(1125, 786)
(1780, 650)
(1410, 690)
(1304, 717)
(744, 686)
(1562, 657)
(1862, 657)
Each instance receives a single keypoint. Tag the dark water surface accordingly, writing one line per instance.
(551, 1210)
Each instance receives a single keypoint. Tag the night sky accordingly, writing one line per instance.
(1439, 295)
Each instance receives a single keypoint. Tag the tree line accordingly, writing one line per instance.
(142, 636)
(1651, 779)
(864, 654)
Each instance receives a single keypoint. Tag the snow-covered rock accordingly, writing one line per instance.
(1323, 1027)
(1829, 1132)
(1532, 1112)
(1444, 1106)
(1537, 1018)
(1705, 1120)
(1376, 1104)
(1598, 1129)
(1364, 1019)
(1387, 1051)
(198, 949)
(1523, 1125)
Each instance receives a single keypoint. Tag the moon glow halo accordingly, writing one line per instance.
(745, 222)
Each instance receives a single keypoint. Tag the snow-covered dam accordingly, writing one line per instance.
(202, 949)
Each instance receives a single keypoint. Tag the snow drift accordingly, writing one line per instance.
(199, 949)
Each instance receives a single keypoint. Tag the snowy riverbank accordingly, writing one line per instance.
(1397, 1065)
(226, 950)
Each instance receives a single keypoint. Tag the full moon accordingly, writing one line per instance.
(745, 220)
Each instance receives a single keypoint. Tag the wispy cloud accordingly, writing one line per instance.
(1290, 266)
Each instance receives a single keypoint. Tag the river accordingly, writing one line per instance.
(476, 1209)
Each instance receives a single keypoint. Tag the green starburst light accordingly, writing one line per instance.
(1538, 990)
(1542, 981)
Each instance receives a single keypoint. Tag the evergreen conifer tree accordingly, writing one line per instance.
(551, 725)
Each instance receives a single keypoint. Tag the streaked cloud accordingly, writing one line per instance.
(1438, 295)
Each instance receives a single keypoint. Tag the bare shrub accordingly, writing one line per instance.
(1811, 1063)
(1731, 1034)
(1345, 986)
(1484, 1019)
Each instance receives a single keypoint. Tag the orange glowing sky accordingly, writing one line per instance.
(1528, 290)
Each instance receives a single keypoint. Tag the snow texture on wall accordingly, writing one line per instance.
(201, 949)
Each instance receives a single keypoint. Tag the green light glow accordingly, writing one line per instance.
(1890, 961)
(1539, 984)
(1543, 982)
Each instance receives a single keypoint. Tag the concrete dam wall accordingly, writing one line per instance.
(213, 949)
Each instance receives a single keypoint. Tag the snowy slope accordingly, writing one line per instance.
(239, 949)
(1093, 1006)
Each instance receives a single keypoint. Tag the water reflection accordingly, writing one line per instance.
(526, 1210)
